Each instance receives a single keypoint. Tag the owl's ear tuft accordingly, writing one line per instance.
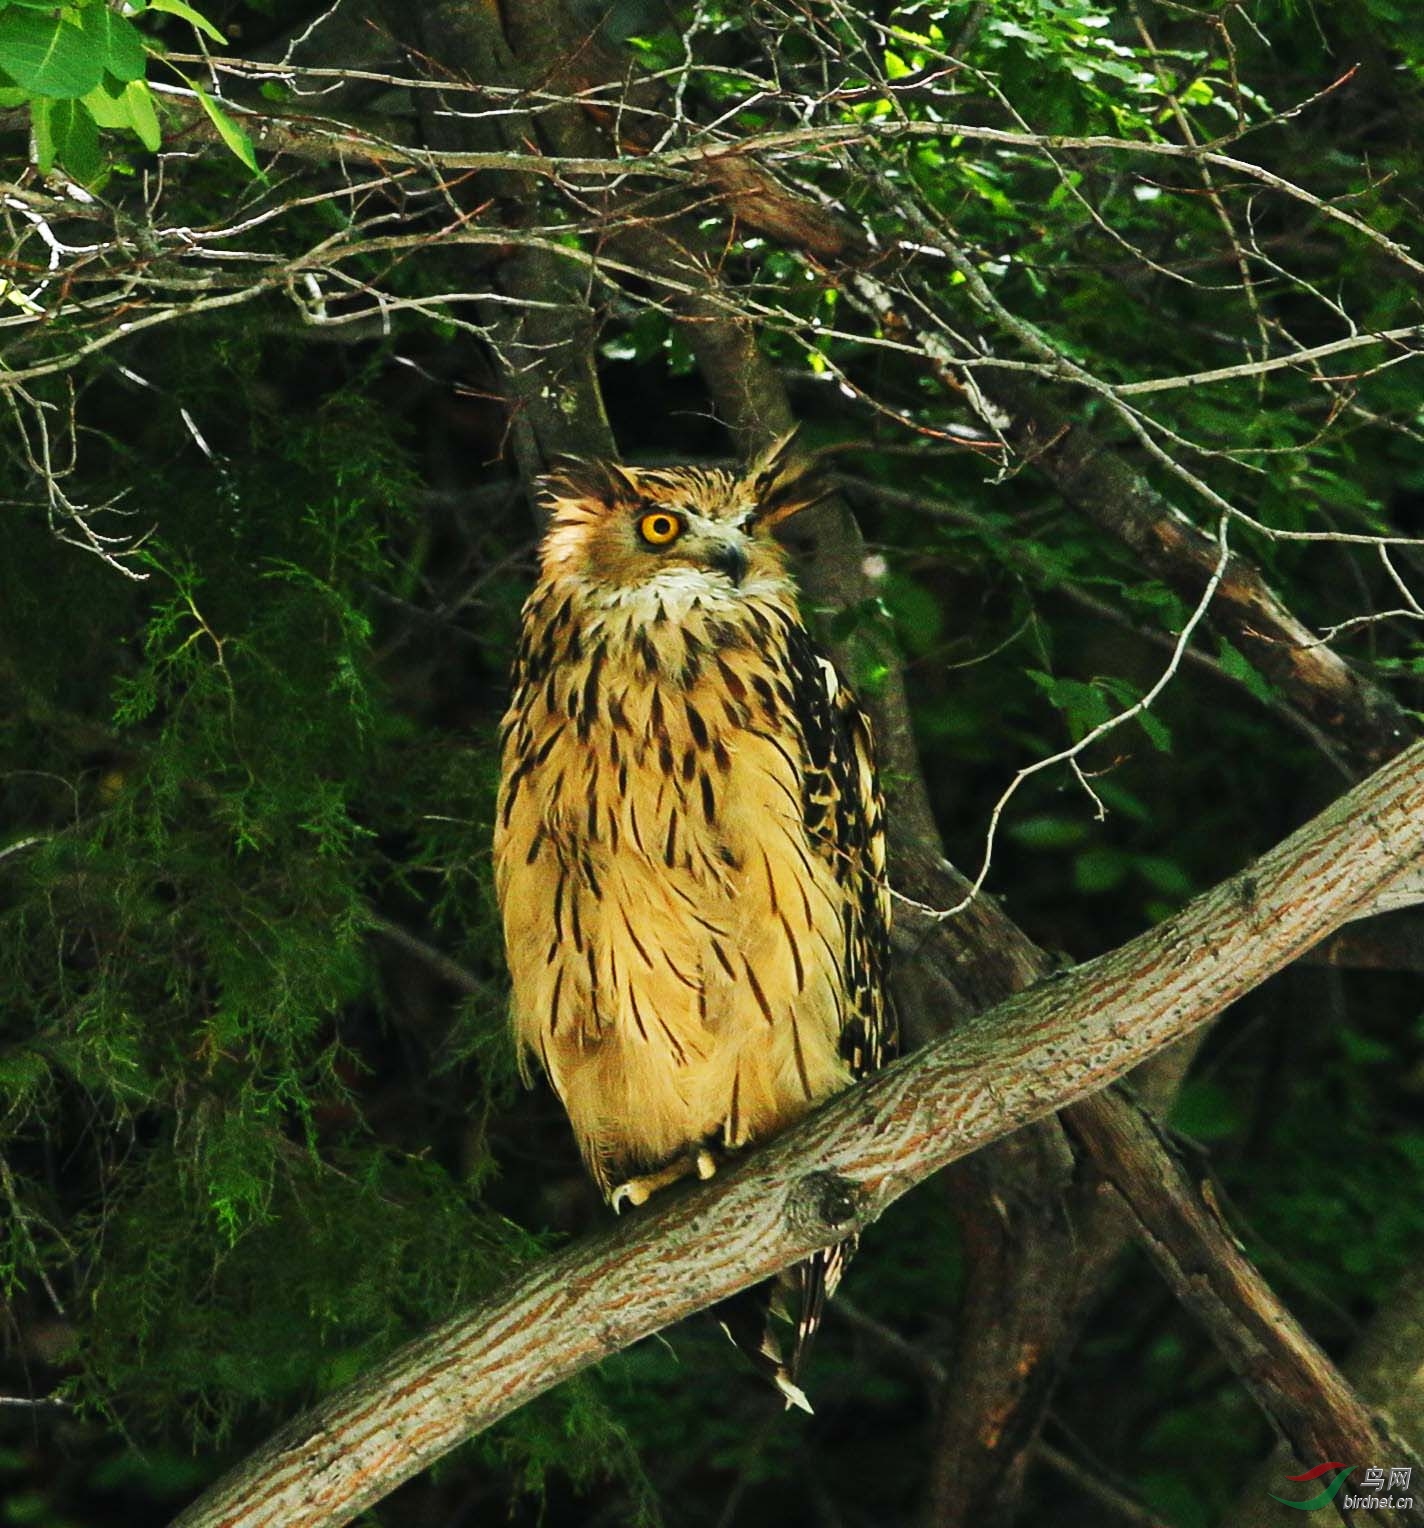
(587, 480)
(784, 482)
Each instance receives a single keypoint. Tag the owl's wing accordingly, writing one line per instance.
(844, 814)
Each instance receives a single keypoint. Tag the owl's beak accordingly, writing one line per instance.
(729, 558)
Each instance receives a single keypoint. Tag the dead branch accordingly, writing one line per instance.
(1309, 1402)
(1387, 1367)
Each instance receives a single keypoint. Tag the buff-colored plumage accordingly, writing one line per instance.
(689, 848)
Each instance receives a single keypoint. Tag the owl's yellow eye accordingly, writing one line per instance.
(659, 528)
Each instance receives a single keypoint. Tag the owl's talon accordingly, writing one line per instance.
(700, 1164)
(634, 1192)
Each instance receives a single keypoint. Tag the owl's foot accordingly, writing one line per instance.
(636, 1191)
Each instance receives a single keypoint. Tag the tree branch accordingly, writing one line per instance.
(1308, 1401)
(1042, 1049)
(1387, 1366)
(1101, 485)
(1096, 479)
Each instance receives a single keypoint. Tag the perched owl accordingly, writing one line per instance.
(689, 843)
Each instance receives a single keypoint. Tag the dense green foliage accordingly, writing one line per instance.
(256, 1128)
(82, 68)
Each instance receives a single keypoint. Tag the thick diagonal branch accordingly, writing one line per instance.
(1387, 1368)
(1043, 1049)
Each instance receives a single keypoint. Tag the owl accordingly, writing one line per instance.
(689, 845)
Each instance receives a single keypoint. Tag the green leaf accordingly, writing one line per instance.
(143, 117)
(1100, 869)
(65, 131)
(916, 611)
(1119, 799)
(130, 109)
(1363, 1049)
(1084, 705)
(48, 56)
(1205, 1111)
(188, 14)
(1163, 875)
(108, 109)
(117, 41)
(229, 131)
(1234, 664)
(1048, 832)
(1158, 732)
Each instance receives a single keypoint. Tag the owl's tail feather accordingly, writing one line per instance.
(799, 1295)
(816, 1281)
(746, 1319)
